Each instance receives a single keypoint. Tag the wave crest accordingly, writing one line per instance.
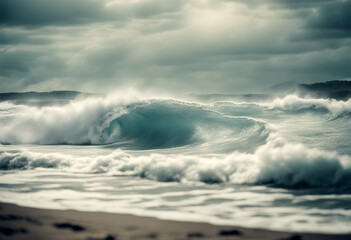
(133, 124)
(295, 103)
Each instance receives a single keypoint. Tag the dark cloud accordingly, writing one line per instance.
(288, 4)
(192, 46)
(300, 4)
(15, 62)
(333, 16)
(320, 19)
(331, 20)
(18, 36)
(43, 12)
(326, 19)
(36, 13)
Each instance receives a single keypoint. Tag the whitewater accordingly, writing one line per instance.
(282, 163)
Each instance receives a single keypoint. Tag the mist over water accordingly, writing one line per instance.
(280, 156)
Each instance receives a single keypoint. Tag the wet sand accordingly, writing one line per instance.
(31, 223)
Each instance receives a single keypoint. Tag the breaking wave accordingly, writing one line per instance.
(131, 123)
(295, 103)
(276, 162)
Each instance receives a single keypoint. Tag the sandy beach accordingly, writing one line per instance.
(31, 223)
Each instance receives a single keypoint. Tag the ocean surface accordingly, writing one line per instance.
(282, 163)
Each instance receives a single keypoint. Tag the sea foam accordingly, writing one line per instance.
(296, 103)
(276, 162)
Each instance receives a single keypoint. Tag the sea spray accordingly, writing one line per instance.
(142, 124)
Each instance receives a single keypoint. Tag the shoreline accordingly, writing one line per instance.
(18, 222)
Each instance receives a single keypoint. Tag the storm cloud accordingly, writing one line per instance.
(177, 46)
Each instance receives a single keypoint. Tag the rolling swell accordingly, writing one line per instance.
(168, 123)
(153, 125)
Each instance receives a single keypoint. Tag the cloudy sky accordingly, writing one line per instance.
(206, 46)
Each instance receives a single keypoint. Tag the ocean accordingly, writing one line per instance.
(282, 163)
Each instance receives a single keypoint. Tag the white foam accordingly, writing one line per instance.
(75, 123)
(275, 162)
(295, 103)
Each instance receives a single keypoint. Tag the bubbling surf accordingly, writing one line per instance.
(276, 163)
